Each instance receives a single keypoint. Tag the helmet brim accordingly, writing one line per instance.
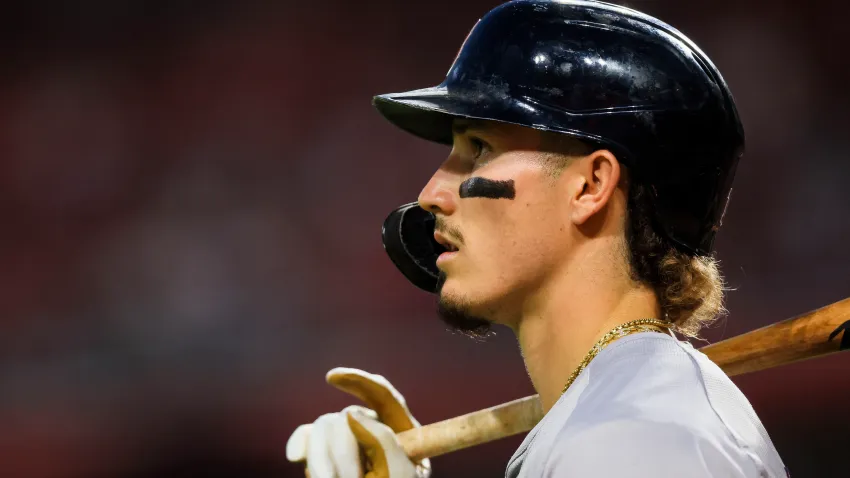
(428, 113)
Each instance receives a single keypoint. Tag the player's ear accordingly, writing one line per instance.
(594, 180)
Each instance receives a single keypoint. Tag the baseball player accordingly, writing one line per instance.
(593, 150)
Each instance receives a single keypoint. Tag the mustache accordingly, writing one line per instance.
(448, 230)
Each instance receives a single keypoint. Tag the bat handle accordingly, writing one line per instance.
(476, 428)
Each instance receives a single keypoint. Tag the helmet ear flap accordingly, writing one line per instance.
(408, 237)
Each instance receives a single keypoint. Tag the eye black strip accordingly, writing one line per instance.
(487, 188)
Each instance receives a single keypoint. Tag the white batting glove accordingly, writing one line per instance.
(358, 442)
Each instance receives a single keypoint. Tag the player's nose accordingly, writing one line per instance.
(439, 196)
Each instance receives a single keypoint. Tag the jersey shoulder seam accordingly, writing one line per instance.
(748, 451)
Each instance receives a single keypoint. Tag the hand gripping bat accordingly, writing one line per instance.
(821, 332)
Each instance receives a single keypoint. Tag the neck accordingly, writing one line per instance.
(567, 318)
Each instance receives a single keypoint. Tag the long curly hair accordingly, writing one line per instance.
(689, 288)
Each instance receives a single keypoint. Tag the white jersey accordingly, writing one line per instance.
(649, 406)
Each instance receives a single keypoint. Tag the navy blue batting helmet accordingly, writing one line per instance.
(608, 75)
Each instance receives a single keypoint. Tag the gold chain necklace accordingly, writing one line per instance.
(628, 328)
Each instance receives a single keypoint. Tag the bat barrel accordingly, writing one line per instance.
(814, 334)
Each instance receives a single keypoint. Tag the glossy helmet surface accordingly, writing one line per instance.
(609, 75)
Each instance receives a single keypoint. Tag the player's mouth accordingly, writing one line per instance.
(448, 255)
(451, 248)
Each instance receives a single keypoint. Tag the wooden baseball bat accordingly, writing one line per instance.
(817, 333)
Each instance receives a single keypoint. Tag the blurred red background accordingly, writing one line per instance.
(193, 195)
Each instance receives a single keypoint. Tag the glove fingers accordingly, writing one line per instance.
(361, 410)
(296, 446)
(383, 450)
(377, 393)
(372, 446)
(319, 463)
(344, 449)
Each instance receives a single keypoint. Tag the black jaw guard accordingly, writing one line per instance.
(408, 235)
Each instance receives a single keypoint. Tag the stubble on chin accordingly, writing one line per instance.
(455, 312)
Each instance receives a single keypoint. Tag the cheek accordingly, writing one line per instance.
(516, 238)
(533, 237)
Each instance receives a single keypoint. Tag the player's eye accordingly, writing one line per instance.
(479, 147)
